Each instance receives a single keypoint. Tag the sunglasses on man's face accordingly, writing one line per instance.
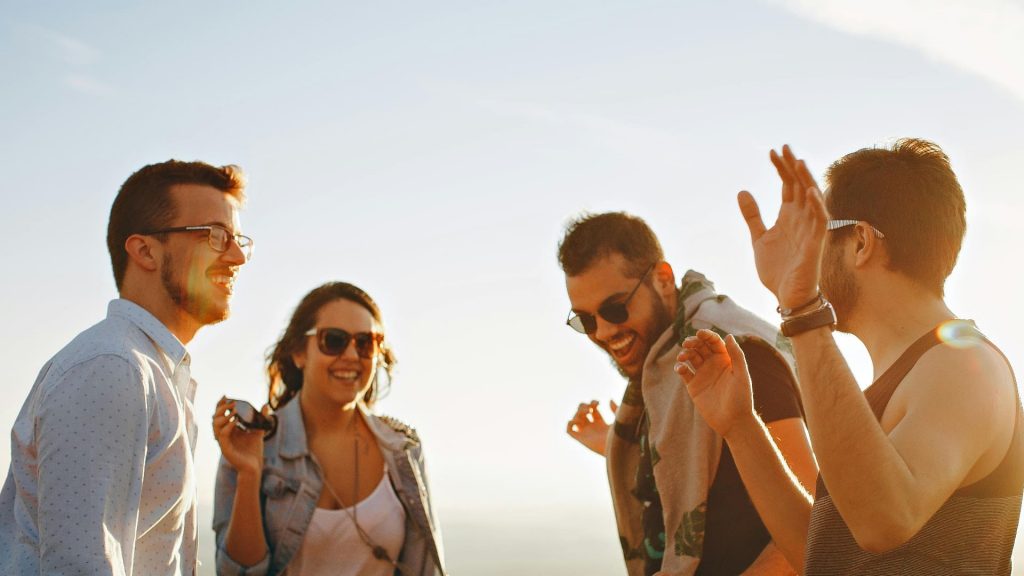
(334, 341)
(614, 312)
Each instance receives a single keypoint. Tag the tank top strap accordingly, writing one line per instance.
(882, 389)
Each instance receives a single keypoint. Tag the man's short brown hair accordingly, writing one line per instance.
(144, 201)
(592, 237)
(909, 192)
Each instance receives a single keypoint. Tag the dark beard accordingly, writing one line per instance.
(839, 286)
(191, 304)
(662, 320)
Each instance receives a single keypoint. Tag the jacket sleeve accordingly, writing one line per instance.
(438, 539)
(223, 502)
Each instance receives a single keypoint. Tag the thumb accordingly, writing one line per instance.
(752, 214)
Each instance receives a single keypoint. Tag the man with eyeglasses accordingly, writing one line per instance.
(102, 479)
(679, 503)
(922, 472)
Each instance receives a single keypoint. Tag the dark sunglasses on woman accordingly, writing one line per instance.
(614, 312)
(334, 341)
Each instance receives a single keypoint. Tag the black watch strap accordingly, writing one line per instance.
(824, 316)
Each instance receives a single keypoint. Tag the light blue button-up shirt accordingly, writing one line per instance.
(102, 477)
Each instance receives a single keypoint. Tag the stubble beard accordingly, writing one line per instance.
(200, 307)
(839, 286)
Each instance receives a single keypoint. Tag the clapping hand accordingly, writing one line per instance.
(788, 255)
(716, 376)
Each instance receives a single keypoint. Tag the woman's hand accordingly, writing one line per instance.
(718, 382)
(243, 449)
(788, 255)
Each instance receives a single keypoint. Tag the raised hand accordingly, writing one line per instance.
(788, 255)
(243, 449)
(716, 376)
(588, 426)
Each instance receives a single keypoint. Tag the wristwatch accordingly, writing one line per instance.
(823, 316)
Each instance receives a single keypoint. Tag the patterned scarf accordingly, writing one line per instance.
(684, 449)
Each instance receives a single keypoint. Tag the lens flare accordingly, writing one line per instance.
(959, 334)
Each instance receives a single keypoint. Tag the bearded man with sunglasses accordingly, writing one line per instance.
(102, 477)
(679, 503)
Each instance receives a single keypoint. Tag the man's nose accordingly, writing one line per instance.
(234, 254)
(605, 329)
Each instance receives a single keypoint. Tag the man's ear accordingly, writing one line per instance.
(664, 280)
(868, 246)
(143, 251)
(299, 358)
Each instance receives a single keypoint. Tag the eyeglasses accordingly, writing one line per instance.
(217, 235)
(837, 224)
(614, 312)
(334, 341)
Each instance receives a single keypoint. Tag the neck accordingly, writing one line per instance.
(892, 315)
(155, 301)
(327, 418)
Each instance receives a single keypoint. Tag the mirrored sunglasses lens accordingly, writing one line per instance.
(583, 323)
(334, 341)
(615, 313)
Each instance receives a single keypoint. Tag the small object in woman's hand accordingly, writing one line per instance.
(247, 417)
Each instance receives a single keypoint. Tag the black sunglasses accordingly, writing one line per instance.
(614, 312)
(334, 341)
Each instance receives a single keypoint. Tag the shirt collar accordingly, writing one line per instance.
(151, 327)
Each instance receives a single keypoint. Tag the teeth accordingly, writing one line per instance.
(620, 343)
(346, 375)
(222, 279)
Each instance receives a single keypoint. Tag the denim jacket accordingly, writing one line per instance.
(291, 485)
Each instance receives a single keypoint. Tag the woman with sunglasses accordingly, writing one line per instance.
(334, 489)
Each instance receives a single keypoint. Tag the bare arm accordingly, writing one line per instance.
(721, 391)
(240, 527)
(886, 483)
(770, 562)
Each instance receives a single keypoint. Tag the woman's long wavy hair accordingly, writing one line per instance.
(286, 378)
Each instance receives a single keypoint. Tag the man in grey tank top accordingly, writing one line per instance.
(921, 473)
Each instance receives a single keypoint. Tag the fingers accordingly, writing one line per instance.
(785, 174)
(614, 406)
(739, 360)
(586, 415)
(751, 214)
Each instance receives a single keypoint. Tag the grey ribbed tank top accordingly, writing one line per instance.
(971, 533)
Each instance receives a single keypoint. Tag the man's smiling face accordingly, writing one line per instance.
(606, 281)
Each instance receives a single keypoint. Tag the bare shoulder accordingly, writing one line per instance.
(966, 376)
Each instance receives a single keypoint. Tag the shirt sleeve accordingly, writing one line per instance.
(91, 433)
(775, 392)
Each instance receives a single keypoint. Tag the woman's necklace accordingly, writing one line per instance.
(353, 511)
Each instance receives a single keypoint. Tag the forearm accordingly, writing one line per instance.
(244, 541)
(784, 506)
(867, 479)
(770, 562)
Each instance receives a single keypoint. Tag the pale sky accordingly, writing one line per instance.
(432, 152)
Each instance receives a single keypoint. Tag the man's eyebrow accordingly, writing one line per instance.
(611, 298)
(221, 224)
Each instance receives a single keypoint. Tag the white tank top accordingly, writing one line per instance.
(332, 546)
